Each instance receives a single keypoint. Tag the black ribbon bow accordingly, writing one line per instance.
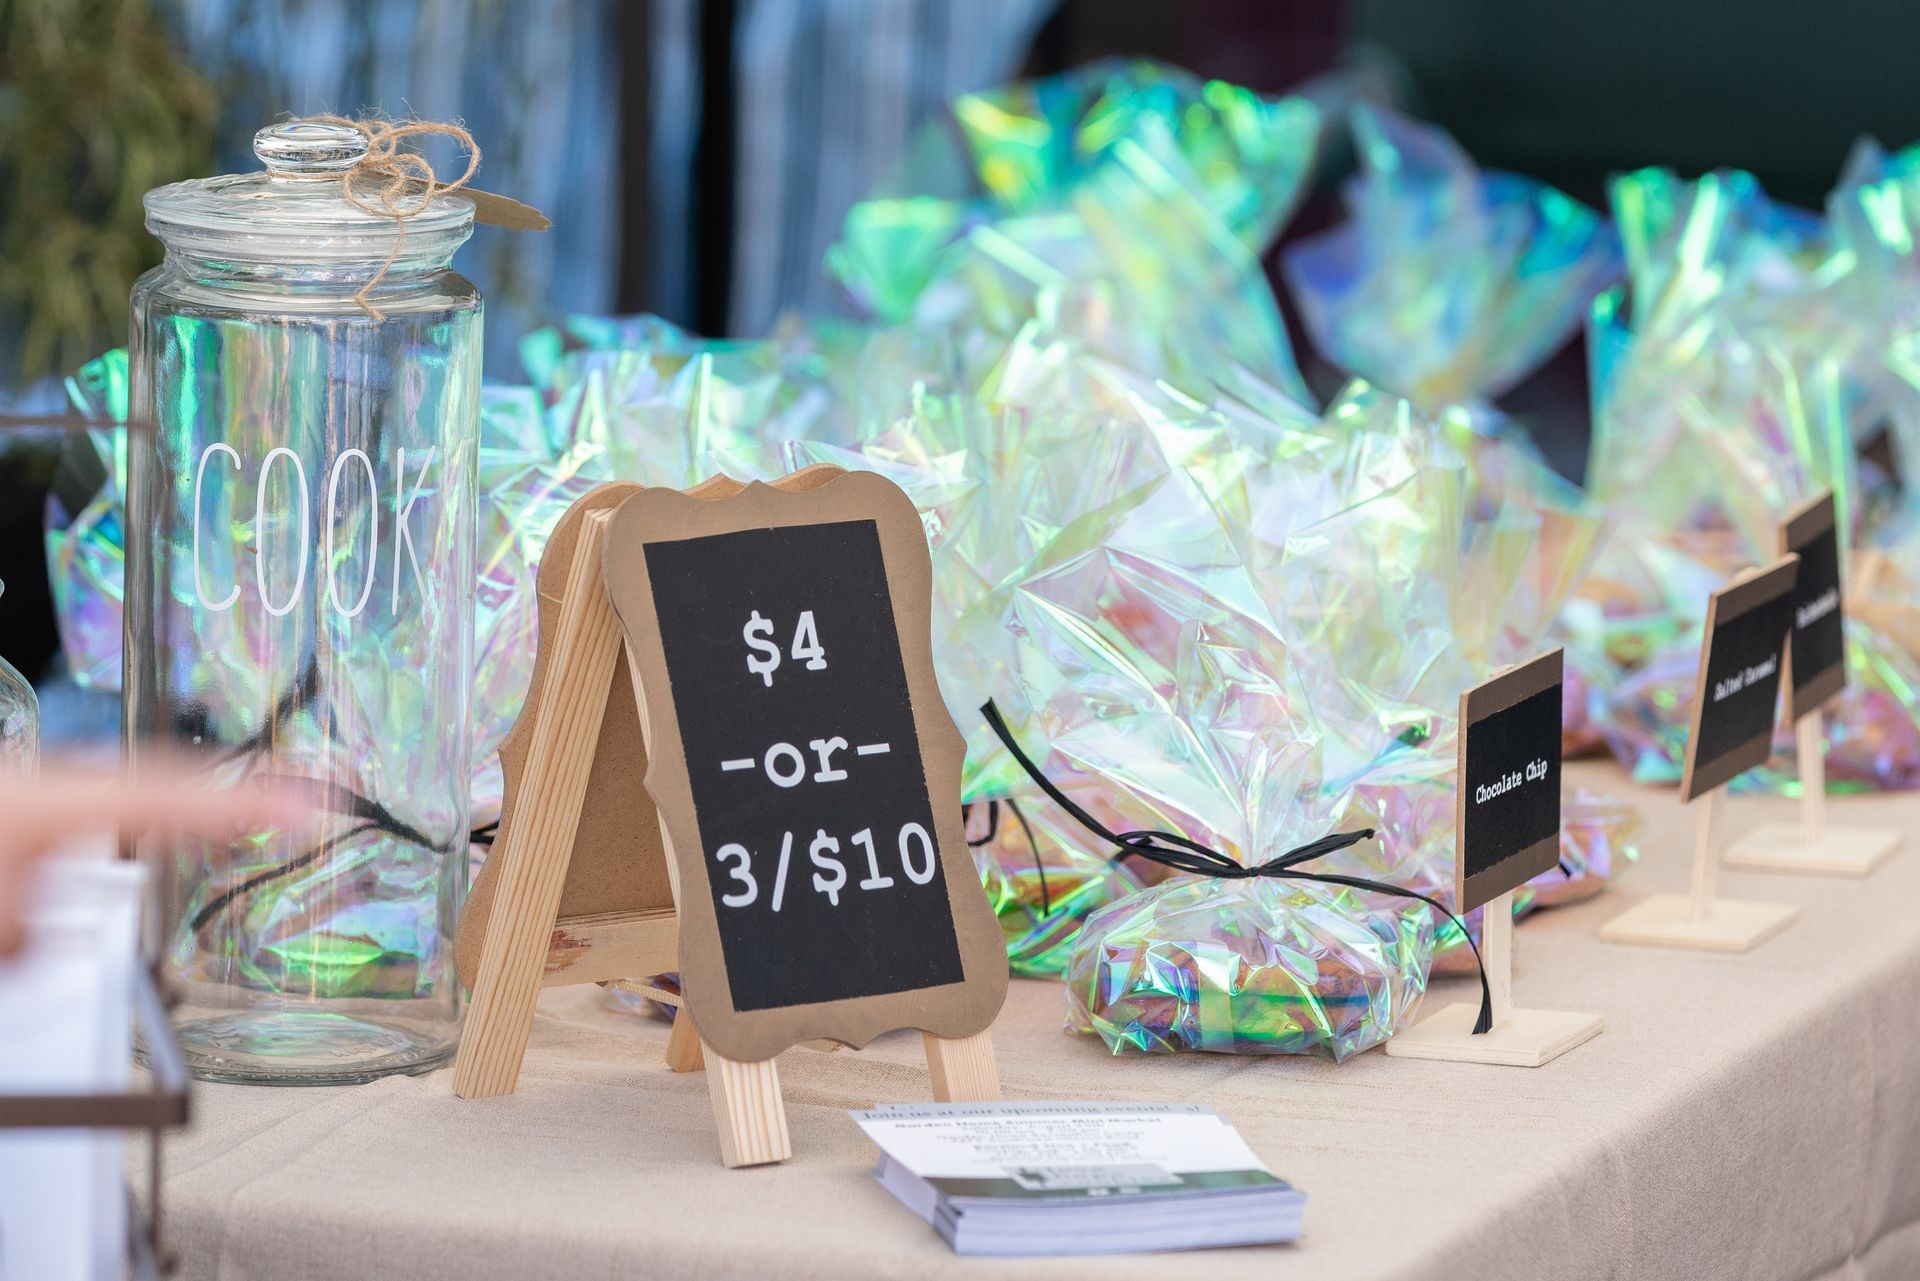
(1187, 855)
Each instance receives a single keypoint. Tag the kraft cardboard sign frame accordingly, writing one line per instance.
(1812, 845)
(825, 507)
(1518, 1037)
(585, 883)
(1699, 919)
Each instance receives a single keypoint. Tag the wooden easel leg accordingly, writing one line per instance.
(559, 760)
(683, 1044)
(747, 1110)
(962, 1070)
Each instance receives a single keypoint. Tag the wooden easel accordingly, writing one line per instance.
(517, 939)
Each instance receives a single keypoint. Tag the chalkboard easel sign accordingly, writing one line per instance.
(1736, 695)
(800, 771)
(805, 768)
(1506, 831)
(1816, 672)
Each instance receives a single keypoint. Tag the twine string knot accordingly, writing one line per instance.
(389, 181)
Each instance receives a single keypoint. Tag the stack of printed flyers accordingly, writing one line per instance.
(1079, 1178)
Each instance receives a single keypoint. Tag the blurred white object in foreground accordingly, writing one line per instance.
(65, 1011)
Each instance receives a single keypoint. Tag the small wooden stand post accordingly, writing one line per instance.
(1810, 757)
(1706, 866)
(527, 901)
(1496, 949)
(1811, 846)
(525, 944)
(1700, 919)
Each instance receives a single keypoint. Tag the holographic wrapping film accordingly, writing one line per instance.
(86, 552)
(1758, 355)
(1446, 284)
(1126, 203)
(532, 467)
(1248, 967)
(1043, 877)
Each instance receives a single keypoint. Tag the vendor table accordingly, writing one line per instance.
(1752, 1116)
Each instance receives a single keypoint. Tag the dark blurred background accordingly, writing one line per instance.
(697, 155)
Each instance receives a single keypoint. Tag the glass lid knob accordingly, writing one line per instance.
(302, 148)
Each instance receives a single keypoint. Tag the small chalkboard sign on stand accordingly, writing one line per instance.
(1506, 831)
(785, 747)
(1816, 671)
(1741, 657)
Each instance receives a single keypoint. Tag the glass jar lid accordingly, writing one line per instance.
(296, 207)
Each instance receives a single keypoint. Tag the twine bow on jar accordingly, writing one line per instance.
(383, 179)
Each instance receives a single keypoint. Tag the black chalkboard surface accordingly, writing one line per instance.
(1508, 812)
(805, 769)
(1741, 658)
(807, 781)
(1817, 652)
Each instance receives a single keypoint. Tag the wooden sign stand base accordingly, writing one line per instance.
(1518, 1038)
(1811, 846)
(1699, 920)
(523, 948)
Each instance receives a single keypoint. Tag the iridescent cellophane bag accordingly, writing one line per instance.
(533, 466)
(1307, 683)
(1759, 356)
(1446, 284)
(1008, 496)
(85, 545)
(1123, 203)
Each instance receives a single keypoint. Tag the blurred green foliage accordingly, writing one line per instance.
(96, 107)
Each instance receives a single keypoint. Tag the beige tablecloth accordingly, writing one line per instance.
(1741, 1117)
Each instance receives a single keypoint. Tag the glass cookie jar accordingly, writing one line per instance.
(299, 606)
(19, 720)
